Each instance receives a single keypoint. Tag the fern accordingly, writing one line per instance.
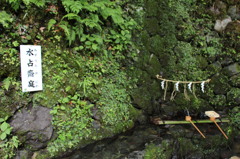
(51, 23)
(5, 19)
(72, 6)
(65, 28)
(15, 4)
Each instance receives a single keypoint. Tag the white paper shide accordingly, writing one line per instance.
(31, 68)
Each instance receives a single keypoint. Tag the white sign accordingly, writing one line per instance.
(31, 68)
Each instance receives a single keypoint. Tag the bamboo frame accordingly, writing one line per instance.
(167, 122)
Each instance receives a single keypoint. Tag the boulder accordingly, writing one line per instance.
(33, 126)
(233, 11)
(235, 81)
(220, 84)
(233, 96)
(220, 25)
(232, 69)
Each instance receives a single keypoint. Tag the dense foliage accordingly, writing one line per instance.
(87, 53)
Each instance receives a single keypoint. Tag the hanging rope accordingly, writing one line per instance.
(189, 84)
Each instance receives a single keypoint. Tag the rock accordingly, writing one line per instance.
(142, 99)
(235, 81)
(22, 154)
(233, 96)
(33, 126)
(96, 124)
(220, 25)
(232, 69)
(214, 68)
(233, 27)
(225, 154)
(226, 61)
(136, 155)
(218, 7)
(234, 13)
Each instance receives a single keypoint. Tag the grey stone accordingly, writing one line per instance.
(232, 69)
(226, 61)
(33, 126)
(234, 13)
(136, 155)
(23, 154)
(220, 25)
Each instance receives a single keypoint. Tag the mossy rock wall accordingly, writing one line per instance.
(179, 43)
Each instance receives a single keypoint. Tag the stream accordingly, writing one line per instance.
(185, 142)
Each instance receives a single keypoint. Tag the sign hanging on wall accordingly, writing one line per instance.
(31, 68)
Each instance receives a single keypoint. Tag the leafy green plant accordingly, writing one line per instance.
(72, 118)
(7, 146)
(6, 19)
(5, 128)
(15, 4)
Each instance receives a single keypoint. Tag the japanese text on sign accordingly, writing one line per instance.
(31, 68)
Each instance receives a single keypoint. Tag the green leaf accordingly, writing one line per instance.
(65, 28)
(15, 44)
(94, 46)
(53, 111)
(3, 136)
(62, 108)
(6, 83)
(51, 23)
(4, 126)
(1, 120)
(65, 100)
(8, 131)
(117, 18)
(71, 16)
(68, 88)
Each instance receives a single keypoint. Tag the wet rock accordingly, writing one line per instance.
(232, 69)
(220, 25)
(195, 155)
(136, 155)
(168, 110)
(225, 154)
(33, 126)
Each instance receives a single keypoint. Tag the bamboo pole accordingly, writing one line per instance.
(213, 119)
(167, 122)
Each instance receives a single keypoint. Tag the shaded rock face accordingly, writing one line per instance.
(33, 126)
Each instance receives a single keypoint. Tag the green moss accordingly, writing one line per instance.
(162, 151)
(220, 84)
(151, 7)
(233, 96)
